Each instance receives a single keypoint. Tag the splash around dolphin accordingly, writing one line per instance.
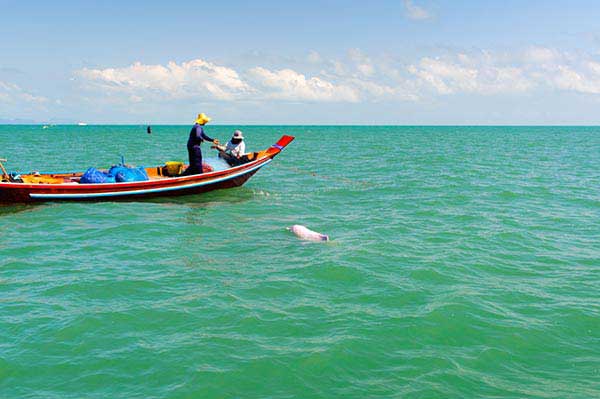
(305, 233)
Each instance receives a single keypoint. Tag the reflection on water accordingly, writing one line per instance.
(218, 197)
(12, 209)
(195, 201)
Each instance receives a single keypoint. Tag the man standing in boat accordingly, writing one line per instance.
(197, 136)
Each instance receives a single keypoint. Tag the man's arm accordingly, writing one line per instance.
(203, 135)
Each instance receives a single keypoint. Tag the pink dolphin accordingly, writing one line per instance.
(307, 234)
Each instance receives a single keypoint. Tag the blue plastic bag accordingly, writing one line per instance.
(116, 169)
(141, 174)
(92, 176)
(123, 174)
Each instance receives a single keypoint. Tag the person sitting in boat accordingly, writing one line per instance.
(233, 153)
(197, 136)
(236, 146)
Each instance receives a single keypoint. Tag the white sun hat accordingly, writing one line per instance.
(238, 135)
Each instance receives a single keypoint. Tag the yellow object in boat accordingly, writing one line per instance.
(174, 168)
(37, 179)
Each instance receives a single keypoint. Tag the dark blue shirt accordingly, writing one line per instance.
(197, 136)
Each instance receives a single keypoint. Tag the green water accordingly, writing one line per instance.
(464, 262)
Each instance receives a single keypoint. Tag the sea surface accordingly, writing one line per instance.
(464, 262)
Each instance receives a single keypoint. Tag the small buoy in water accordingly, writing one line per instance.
(307, 234)
(149, 129)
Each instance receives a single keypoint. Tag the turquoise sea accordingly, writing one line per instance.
(464, 263)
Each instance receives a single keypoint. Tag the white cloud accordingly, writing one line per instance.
(338, 67)
(11, 93)
(466, 75)
(375, 92)
(354, 78)
(314, 57)
(585, 81)
(488, 73)
(200, 79)
(594, 67)
(445, 77)
(286, 84)
(541, 55)
(358, 61)
(366, 69)
(196, 78)
(563, 71)
(415, 12)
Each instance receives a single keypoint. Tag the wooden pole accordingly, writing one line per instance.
(4, 174)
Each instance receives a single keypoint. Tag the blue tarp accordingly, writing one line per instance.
(93, 176)
(115, 174)
(124, 174)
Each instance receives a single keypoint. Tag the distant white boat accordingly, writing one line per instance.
(81, 124)
(45, 127)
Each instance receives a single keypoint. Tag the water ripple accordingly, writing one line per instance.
(466, 265)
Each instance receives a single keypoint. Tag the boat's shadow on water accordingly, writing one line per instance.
(218, 197)
(206, 200)
(19, 208)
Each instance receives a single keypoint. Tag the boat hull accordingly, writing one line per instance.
(162, 187)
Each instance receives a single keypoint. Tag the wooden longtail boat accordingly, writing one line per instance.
(66, 186)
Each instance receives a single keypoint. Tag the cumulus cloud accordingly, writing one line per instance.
(563, 71)
(462, 76)
(286, 84)
(374, 92)
(487, 73)
(11, 93)
(541, 55)
(356, 77)
(314, 57)
(585, 81)
(200, 79)
(196, 78)
(415, 12)
(363, 64)
(444, 77)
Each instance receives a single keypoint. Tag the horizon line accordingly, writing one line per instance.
(295, 124)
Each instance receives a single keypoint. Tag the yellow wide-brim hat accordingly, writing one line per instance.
(202, 119)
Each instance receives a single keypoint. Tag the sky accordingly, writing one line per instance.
(405, 62)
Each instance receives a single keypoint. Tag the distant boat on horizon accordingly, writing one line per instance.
(81, 124)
